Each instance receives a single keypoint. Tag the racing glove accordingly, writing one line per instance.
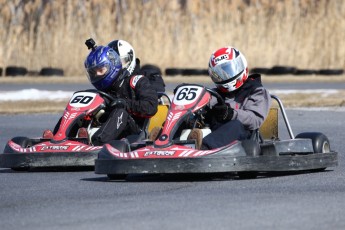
(223, 112)
(119, 103)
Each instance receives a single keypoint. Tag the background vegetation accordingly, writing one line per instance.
(173, 33)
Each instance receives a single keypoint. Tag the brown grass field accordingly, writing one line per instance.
(307, 34)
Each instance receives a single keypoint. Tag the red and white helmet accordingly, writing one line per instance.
(228, 69)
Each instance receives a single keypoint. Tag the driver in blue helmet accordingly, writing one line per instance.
(115, 70)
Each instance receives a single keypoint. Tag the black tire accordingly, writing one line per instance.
(0, 72)
(330, 71)
(319, 141)
(51, 72)
(15, 71)
(173, 71)
(305, 72)
(281, 70)
(259, 70)
(194, 72)
(320, 144)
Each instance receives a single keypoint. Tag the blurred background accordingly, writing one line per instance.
(173, 33)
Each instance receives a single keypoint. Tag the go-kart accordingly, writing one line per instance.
(173, 153)
(66, 148)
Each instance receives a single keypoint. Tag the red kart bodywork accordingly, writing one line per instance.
(169, 154)
(64, 149)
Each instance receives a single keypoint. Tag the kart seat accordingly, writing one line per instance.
(158, 119)
(269, 129)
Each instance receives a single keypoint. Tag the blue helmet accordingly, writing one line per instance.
(103, 67)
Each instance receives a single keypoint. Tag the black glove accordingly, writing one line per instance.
(119, 103)
(223, 112)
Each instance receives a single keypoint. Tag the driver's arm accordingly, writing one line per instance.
(146, 102)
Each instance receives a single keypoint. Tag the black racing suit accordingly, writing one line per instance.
(141, 104)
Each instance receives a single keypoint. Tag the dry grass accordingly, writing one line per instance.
(44, 80)
(174, 33)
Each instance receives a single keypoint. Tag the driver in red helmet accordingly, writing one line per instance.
(247, 102)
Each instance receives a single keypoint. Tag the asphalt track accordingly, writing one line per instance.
(84, 200)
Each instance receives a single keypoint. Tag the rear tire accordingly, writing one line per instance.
(320, 144)
(319, 141)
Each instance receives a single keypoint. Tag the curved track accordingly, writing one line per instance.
(84, 200)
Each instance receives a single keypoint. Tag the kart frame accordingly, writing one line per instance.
(21, 153)
(304, 152)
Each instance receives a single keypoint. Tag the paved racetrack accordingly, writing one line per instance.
(84, 200)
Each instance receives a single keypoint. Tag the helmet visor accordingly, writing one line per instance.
(227, 71)
(98, 72)
(126, 60)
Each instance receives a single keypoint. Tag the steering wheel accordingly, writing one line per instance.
(220, 99)
(105, 95)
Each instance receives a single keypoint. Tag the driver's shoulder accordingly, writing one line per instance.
(136, 80)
